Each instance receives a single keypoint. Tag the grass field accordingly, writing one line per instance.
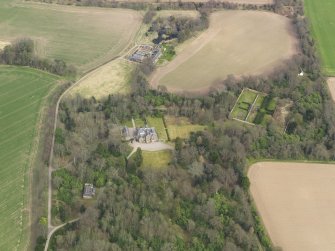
(296, 203)
(181, 127)
(322, 19)
(156, 160)
(111, 78)
(253, 107)
(79, 35)
(159, 126)
(237, 42)
(21, 94)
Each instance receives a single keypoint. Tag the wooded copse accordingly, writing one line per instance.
(22, 52)
(180, 28)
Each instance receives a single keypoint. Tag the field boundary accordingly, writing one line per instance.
(39, 161)
(33, 154)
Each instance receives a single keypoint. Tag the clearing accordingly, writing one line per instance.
(331, 86)
(156, 160)
(322, 19)
(22, 91)
(83, 36)
(111, 78)
(181, 127)
(237, 42)
(296, 202)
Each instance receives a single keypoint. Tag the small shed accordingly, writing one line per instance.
(89, 191)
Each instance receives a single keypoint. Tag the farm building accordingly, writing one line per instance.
(142, 135)
(89, 191)
(143, 52)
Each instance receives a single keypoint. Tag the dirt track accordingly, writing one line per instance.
(331, 86)
(297, 203)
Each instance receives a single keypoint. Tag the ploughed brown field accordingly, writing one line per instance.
(236, 42)
(297, 203)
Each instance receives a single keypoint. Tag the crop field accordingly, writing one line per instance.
(181, 127)
(82, 36)
(237, 42)
(296, 203)
(322, 19)
(156, 160)
(111, 78)
(21, 94)
(253, 107)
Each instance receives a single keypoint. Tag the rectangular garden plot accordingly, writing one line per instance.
(253, 107)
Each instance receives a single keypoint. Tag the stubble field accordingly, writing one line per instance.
(22, 91)
(237, 42)
(296, 202)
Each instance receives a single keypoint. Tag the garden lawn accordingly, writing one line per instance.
(156, 160)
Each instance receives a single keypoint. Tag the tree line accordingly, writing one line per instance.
(180, 28)
(157, 5)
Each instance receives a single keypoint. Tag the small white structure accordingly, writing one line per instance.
(301, 74)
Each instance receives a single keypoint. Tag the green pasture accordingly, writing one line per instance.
(156, 160)
(82, 36)
(322, 19)
(21, 94)
(180, 127)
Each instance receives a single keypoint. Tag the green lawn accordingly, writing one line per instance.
(21, 94)
(156, 160)
(159, 126)
(321, 14)
(256, 108)
(243, 104)
(181, 127)
(168, 53)
(262, 110)
(83, 36)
